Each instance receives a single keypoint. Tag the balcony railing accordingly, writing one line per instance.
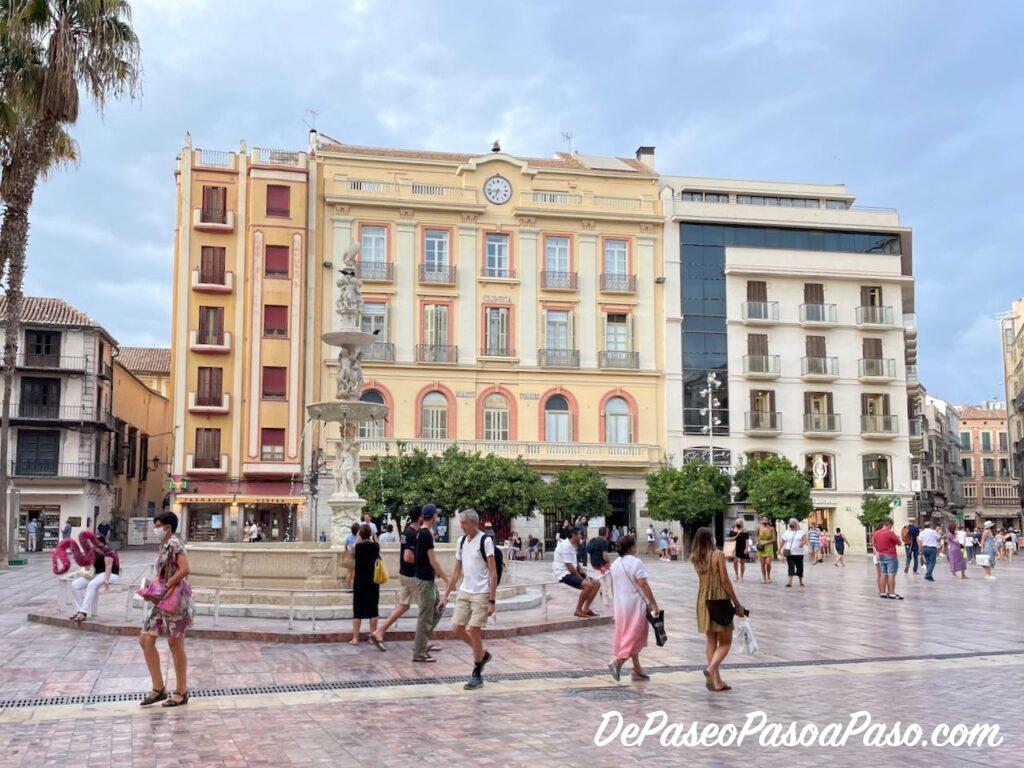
(559, 358)
(212, 281)
(375, 271)
(55, 469)
(874, 315)
(380, 351)
(213, 215)
(557, 198)
(213, 219)
(437, 274)
(613, 283)
(215, 158)
(497, 350)
(283, 157)
(822, 367)
(763, 421)
(633, 454)
(760, 311)
(600, 202)
(916, 426)
(912, 375)
(369, 185)
(209, 342)
(876, 368)
(558, 281)
(390, 189)
(498, 272)
(910, 322)
(613, 358)
(820, 314)
(46, 361)
(879, 424)
(761, 365)
(821, 422)
(437, 353)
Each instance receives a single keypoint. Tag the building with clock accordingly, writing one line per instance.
(517, 301)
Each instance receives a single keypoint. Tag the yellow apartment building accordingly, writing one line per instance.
(237, 338)
(150, 365)
(517, 301)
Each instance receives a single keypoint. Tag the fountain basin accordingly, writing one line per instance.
(349, 338)
(355, 411)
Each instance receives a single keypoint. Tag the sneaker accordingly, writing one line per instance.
(990, 578)
(474, 682)
(929, 578)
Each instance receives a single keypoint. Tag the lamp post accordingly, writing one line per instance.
(710, 391)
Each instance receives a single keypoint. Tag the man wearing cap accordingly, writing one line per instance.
(567, 571)
(408, 588)
(427, 598)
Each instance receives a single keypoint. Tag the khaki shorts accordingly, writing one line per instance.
(471, 609)
(407, 590)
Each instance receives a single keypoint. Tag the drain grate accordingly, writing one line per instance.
(610, 693)
(395, 682)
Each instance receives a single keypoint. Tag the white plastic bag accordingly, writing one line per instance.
(744, 636)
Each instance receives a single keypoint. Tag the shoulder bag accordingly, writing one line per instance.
(656, 620)
(720, 610)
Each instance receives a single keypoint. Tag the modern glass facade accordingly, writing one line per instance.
(702, 283)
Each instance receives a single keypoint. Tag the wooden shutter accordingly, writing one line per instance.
(753, 401)
(815, 346)
(808, 399)
(757, 290)
(543, 329)
(872, 349)
(814, 293)
(571, 332)
(211, 265)
(829, 403)
(629, 332)
(885, 405)
(771, 401)
(278, 200)
(757, 344)
(276, 261)
(865, 404)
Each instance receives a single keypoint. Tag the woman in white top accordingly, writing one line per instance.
(633, 599)
(254, 532)
(795, 541)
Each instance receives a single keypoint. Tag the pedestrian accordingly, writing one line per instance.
(908, 535)
(884, 541)
(442, 529)
(106, 567)
(650, 539)
(663, 544)
(714, 596)
(826, 541)
(172, 568)
(954, 551)
(351, 539)
(741, 538)
(516, 547)
(367, 520)
(633, 600)
(33, 529)
(427, 598)
(840, 543)
(1000, 544)
(988, 550)
(532, 545)
(814, 543)
(616, 535)
(476, 600)
(103, 529)
(929, 541)
(254, 533)
(794, 544)
(66, 531)
(389, 536)
(970, 545)
(1011, 545)
(365, 591)
(568, 572)
(407, 585)
(767, 540)
(597, 549)
(673, 548)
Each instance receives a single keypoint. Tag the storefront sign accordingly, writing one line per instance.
(466, 393)
(137, 528)
(822, 502)
(529, 395)
(217, 521)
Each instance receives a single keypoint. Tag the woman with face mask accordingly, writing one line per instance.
(172, 567)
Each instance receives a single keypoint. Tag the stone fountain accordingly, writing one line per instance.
(347, 410)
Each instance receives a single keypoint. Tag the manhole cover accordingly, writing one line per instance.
(610, 693)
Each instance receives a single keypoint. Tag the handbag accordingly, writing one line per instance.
(983, 560)
(656, 620)
(729, 548)
(170, 601)
(721, 611)
(380, 572)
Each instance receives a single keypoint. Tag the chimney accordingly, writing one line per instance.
(646, 156)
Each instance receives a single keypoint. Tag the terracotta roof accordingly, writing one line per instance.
(561, 160)
(46, 311)
(145, 359)
(974, 412)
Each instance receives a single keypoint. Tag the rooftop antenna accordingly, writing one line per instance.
(311, 123)
(567, 138)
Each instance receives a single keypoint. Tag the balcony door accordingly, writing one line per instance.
(558, 329)
(38, 452)
(211, 325)
(496, 331)
(871, 295)
(556, 255)
(435, 325)
(42, 347)
(210, 382)
(435, 251)
(40, 398)
(617, 336)
(874, 405)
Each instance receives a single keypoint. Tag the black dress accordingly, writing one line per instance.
(366, 594)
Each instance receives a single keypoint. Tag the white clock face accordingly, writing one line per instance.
(497, 190)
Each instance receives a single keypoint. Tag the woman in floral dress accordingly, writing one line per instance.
(171, 566)
(955, 553)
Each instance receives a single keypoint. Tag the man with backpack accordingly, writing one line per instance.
(908, 536)
(479, 563)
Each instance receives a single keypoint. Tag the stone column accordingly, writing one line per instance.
(526, 335)
(466, 313)
(586, 266)
(405, 306)
(645, 311)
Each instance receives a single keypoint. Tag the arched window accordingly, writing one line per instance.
(876, 472)
(557, 420)
(821, 471)
(375, 428)
(434, 424)
(618, 421)
(496, 417)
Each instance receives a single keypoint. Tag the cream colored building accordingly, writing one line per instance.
(802, 306)
(990, 491)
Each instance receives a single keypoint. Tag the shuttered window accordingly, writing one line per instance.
(275, 320)
(872, 349)
(272, 445)
(207, 448)
(757, 344)
(276, 263)
(816, 346)
(211, 325)
(210, 386)
(215, 204)
(814, 293)
(278, 200)
(871, 295)
(211, 265)
(274, 382)
(757, 290)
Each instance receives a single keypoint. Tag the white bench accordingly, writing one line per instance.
(66, 600)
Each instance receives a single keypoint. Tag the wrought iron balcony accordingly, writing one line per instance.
(558, 281)
(559, 358)
(437, 274)
(55, 362)
(502, 273)
(379, 351)
(437, 353)
(618, 359)
(375, 271)
(497, 350)
(613, 283)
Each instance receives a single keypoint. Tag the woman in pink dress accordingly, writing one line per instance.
(633, 599)
(957, 564)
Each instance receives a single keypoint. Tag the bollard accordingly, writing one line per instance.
(544, 599)
(216, 606)
(291, 608)
(314, 615)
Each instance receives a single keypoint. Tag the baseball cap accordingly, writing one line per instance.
(429, 512)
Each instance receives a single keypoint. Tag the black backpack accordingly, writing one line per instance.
(499, 558)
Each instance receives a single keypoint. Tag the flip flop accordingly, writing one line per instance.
(616, 671)
(424, 659)
(377, 643)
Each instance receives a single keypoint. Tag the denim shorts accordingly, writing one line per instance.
(889, 564)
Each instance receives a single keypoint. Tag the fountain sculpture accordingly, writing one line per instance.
(347, 410)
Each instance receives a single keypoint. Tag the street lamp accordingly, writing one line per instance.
(710, 392)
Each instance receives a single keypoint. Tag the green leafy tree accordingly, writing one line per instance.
(691, 495)
(751, 469)
(579, 490)
(780, 492)
(874, 511)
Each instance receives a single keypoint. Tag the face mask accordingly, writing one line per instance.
(158, 532)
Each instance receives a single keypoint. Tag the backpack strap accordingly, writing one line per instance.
(483, 540)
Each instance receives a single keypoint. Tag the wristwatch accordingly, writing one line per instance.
(492, 602)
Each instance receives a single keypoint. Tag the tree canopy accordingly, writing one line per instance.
(874, 511)
(780, 492)
(692, 494)
(576, 491)
(754, 467)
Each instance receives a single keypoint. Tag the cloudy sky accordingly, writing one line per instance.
(914, 105)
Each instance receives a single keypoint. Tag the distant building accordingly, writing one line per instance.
(990, 491)
(151, 365)
(936, 469)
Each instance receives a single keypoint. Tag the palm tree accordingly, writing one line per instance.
(51, 51)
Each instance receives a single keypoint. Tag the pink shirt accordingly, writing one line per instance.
(885, 542)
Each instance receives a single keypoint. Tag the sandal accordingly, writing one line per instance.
(641, 677)
(425, 659)
(434, 648)
(79, 617)
(377, 643)
(172, 703)
(151, 699)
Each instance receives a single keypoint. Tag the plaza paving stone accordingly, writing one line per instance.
(544, 720)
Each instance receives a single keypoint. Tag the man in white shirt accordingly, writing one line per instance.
(474, 604)
(567, 571)
(929, 539)
(373, 526)
(651, 549)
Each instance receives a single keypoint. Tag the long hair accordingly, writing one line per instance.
(703, 549)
